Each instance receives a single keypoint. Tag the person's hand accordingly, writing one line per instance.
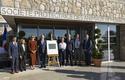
(32, 52)
(10, 57)
(20, 57)
(35, 51)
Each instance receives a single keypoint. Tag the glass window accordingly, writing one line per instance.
(45, 30)
(104, 37)
(60, 33)
(74, 31)
(29, 30)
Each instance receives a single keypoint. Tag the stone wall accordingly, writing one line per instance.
(2, 20)
(112, 11)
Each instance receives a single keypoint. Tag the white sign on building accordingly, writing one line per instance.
(8, 11)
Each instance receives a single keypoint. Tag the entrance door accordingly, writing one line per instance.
(108, 35)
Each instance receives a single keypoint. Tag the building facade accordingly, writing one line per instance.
(70, 16)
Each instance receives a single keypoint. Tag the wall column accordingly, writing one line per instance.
(122, 42)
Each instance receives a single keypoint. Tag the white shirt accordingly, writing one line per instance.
(62, 45)
(23, 47)
(15, 43)
(42, 41)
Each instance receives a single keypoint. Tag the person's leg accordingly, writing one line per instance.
(63, 57)
(24, 63)
(79, 57)
(67, 57)
(17, 64)
(21, 64)
(41, 60)
(34, 60)
(60, 52)
(12, 65)
(38, 59)
(89, 58)
(44, 60)
(71, 58)
(75, 56)
(86, 58)
(31, 61)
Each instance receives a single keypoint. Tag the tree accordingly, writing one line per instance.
(97, 52)
(21, 34)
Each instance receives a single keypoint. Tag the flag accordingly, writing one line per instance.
(4, 37)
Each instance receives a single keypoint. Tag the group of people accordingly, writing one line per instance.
(69, 52)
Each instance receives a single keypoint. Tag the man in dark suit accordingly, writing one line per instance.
(87, 46)
(42, 51)
(22, 55)
(69, 50)
(14, 55)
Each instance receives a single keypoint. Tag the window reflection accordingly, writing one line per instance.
(29, 31)
(104, 37)
(60, 33)
(45, 31)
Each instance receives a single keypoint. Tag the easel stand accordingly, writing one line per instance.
(53, 60)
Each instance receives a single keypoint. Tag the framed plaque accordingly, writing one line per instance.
(52, 47)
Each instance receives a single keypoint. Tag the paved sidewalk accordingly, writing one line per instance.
(108, 71)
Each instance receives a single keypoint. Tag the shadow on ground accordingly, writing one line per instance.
(93, 75)
(8, 70)
(115, 67)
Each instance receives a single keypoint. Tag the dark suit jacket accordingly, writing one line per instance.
(87, 44)
(13, 50)
(69, 46)
(21, 50)
(42, 48)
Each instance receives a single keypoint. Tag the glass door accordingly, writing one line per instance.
(108, 36)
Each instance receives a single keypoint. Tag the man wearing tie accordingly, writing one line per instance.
(42, 51)
(87, 46)
(14, 55)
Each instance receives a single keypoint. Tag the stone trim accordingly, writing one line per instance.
(112, 11)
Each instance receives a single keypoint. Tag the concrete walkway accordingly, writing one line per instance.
(108, 71)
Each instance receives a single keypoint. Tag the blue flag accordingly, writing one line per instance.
(4, 37)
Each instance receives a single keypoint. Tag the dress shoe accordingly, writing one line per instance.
(12, 72)
(17, 71)
(44, 66)
(24, 69)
